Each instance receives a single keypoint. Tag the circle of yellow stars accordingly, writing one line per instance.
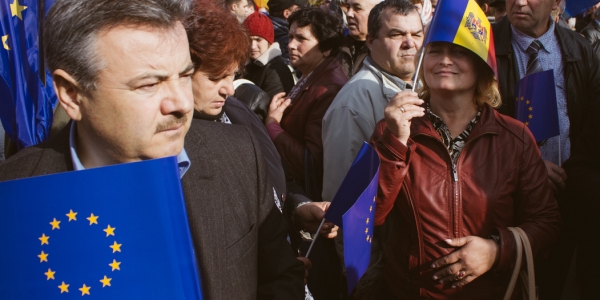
(93, 220)
(529, 108)
(369, 237)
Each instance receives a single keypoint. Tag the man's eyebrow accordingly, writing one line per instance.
(157, 76)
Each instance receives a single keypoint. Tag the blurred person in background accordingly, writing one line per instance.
(239, 8)
(266, 67)
(294, 124)
(354, 49)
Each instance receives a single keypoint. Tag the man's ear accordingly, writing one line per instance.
(485, 7)
(287, 13)
(369, 41)
(233, 7)
(69, 93)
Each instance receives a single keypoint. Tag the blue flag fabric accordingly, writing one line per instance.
(26, 104)
(536, 104)
(575, 7)
(117, 232)
(353, 210)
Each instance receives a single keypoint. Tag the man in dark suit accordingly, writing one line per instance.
(122, 72)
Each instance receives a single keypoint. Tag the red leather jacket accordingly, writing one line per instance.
(500, 181)
(302, 120)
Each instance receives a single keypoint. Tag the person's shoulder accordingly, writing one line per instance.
(510, 125)
(215, 133)
(36, 160)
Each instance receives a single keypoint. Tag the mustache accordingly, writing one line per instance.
(173, 122)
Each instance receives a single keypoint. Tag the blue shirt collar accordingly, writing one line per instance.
(523, 40)
(183, 160)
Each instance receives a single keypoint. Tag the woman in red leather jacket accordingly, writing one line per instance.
(454, 175)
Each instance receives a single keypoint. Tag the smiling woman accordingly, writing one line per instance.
(447, 195)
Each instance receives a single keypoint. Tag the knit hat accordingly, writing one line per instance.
(260, 25)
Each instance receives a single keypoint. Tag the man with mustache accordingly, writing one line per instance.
(354, 50)
(394, 38)
(122, 71)
(528, 41)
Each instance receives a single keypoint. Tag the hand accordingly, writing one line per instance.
(307, 266)
(399, 112)
(276, 108)
(310, 215)
(473, 258)
(556, 176)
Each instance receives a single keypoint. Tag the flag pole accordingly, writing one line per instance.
(418, 67)
(315, 238)
(559, 152)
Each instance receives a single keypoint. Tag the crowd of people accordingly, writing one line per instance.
(267, 103)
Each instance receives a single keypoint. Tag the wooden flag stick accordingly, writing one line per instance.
(315, 238)
(417, 70)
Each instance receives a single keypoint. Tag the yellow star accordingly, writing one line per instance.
(64, 288)
(85, 290)
(93, 219)
(530, 116)
(110, 230)
(526, 123)
(368, 238)
(530, 108)
(115, 265)
(367, 220)
(366, 230)
(43, 257)
(527, 102)
(4, 39)
(44, 239)
(105, 281)
(371, 209)
(72, 215)
(116, 247)
(55, 224)
(16, 9)
(374, 199)
(49, 274)
(523, 98)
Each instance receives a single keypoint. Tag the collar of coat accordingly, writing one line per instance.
(503, 38)
(272, 52)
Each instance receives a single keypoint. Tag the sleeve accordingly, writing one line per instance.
(395, 158)
(272, 84)
(536, 209)
(292, 150)
(344, 132)
(280, 274)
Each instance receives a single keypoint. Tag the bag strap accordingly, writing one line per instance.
(515, 273)
(530, 264)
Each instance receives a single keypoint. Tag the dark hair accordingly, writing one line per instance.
(72, 26)
(401, 7)
(217, 40)
(325, 26)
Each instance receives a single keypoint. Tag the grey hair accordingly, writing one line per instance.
(401, 7)
(72, 26)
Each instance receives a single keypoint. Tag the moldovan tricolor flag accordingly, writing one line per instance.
(462, 22)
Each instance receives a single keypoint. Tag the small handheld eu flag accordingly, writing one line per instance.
(353, 210)
(536, 104)
(117, 232)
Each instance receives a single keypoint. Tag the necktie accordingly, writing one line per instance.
(533, 65)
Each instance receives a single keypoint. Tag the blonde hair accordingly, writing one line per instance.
(487, 84)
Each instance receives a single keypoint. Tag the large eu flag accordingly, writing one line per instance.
(353, 210)
(536, 104)
(118, 232)
(26, 104)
